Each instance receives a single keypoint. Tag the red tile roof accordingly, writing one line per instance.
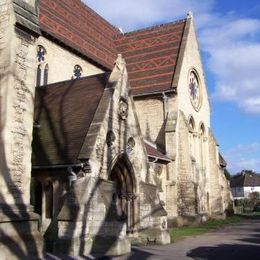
(63, 112)
(151, 56)
(79, 27)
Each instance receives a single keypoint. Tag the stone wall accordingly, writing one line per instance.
(17, 104)
(88, 222)
(216, 191)
(113, 133)
(61, 62)
(171, 148)
(158, 124)
(114, 140)
(186, 195)
(226, 195)
(17, 74)
(151, 117)
(191, 59)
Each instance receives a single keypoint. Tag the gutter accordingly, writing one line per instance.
(172, 91)
(59, 166)
(156, 159)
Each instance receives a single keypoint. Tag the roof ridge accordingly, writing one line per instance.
(152, 27)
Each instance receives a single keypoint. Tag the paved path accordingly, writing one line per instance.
(235, 242)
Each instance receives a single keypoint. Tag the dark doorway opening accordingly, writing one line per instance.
(124, 197)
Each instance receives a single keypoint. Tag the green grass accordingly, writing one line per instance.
(182, 232)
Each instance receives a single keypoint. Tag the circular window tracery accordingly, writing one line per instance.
(195, 90)
(77, 72)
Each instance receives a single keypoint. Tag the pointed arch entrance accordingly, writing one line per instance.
(122, 175)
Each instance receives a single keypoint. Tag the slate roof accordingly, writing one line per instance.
(64, 112)
(245, 180)
(153, 152)
(79, 27)
(151, 56)
(222, 161)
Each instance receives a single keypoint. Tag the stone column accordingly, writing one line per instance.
(19, 236)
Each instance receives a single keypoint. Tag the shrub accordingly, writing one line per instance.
(247, 204)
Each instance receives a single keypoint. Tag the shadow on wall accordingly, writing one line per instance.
(18, 224)
(26, 242)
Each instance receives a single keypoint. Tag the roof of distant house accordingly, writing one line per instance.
(245, 180)
(62, 118)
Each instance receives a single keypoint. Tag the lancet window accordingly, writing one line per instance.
(192, 136)
(202, 146)
(42, 71)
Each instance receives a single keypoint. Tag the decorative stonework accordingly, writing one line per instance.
(110, 138)
(123, 109)
(195, 90)
(158, 169)
(23, 97)
(130, 145)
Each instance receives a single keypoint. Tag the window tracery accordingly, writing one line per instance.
(77, 72)
(42, 71)
(192, 136)
(202, 136)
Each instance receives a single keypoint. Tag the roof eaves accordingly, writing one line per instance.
(150, 28)
(75, 50)
(155, 93)
(180, 57)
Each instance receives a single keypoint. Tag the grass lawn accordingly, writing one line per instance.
(182, 232)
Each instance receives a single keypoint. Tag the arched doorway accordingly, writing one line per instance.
(124, 197)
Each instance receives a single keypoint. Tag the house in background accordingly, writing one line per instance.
(244, 183)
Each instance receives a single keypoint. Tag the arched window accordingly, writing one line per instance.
(41, 52)
(77, 72)
(202, 138)
(45, 74)
(38, 75)
(42, 67)
(192, 136)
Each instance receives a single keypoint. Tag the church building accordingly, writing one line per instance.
(105, 136)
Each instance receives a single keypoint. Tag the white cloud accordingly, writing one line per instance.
(234, 59)
(134, 14)
(243, 157)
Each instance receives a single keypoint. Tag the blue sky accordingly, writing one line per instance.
(229, 38)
